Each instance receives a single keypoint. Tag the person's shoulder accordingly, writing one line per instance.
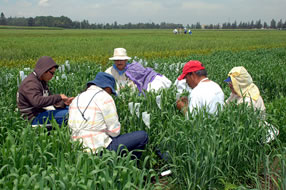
(30, 80)
(101, 94)
(108, 70)
(105, 99)
(215, 85)
(207, 88)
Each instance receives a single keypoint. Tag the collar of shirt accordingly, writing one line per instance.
(120, 72)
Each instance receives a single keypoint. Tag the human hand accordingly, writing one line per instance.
(64, 97)
(182, 103)
(69, 101)
(184, 99)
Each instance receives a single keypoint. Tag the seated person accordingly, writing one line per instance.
(118, 69)
(146, 78)
(34, 96)
(243, 89)
(205, 93)
(94, 121)
(135, 74)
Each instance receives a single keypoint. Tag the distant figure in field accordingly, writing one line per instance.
(185, 30)
(190, 32)
(175, 31)
(134, 74)
(93, 119)
(34, 99)
(205, 93)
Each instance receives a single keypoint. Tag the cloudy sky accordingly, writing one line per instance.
(134, 11)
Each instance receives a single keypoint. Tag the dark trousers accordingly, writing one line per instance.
(59, 115)
(132, 141)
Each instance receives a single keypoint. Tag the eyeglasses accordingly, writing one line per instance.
(52, 73)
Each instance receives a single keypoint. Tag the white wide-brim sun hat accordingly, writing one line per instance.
(120, 54)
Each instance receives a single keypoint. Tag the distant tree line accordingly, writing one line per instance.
(66, 22)
(246, 25)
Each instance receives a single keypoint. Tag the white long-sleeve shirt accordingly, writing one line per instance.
(258, 104)
(101, 118)
(182, 86)
(206, 94)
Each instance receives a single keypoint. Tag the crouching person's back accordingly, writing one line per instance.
(93, 118)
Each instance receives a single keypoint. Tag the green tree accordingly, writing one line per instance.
(258, 24)
(115, 25)
(265, 25)
(85, 24)
(17, 21)
(284, 25)
(3, 20)
(31, 22)
(273, 24)
(234, 25)
(198, 25)
(252, 24)
(280, 24)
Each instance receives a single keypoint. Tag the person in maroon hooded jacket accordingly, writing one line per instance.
(34, 99)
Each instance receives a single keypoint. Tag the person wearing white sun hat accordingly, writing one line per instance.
(135, 75)
(117, 70)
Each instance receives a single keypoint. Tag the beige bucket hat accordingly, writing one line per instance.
(120, 54)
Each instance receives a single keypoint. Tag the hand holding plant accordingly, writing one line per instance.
(182, 104)
(67, 100)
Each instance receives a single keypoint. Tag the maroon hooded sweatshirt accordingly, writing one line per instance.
(30, 96)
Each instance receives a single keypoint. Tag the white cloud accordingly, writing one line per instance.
(124, 11)
(44, 3)
(197, 5)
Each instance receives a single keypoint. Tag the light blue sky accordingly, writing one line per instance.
(134, 11)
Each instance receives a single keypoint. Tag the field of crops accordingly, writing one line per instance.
(226, 151)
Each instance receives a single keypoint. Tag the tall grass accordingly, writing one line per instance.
(226, 151)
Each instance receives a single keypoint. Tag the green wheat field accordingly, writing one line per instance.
(226, 151)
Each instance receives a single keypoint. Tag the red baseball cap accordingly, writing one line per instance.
(191, 66)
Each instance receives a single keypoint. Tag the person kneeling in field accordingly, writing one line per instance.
(34, 98)
(135, 74)
(118, 69)
(205, 93)
(146, 79)
(244, 90)
(94, 121)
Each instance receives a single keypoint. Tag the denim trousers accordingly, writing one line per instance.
(60, 115)
(132, 141)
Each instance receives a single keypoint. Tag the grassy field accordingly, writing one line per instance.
(226, 151)
(23, 47)
(29, 27)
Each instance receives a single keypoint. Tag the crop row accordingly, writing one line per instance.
(205, 151)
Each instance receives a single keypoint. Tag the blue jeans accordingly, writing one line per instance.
(132, 141)
(60, 115)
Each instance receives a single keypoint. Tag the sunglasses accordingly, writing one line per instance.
(52, 73)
